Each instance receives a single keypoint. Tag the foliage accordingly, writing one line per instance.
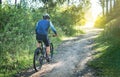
(111, 15)
(107, 61)
(17, 36)
(68, 18)
(112, 29)
(100, 22)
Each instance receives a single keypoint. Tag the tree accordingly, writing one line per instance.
(111, 6)
(0, 1)
(107, 4)
(15, 2)
(0, 4)
(103, 6)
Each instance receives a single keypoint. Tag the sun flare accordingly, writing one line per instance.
(92, 13)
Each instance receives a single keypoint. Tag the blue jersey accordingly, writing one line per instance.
(42, 27)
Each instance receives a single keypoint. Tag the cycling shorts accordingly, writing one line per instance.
(43, 38)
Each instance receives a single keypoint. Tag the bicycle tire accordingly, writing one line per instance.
(51, 50)
(37, 60)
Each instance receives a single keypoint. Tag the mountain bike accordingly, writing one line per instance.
(40, 56)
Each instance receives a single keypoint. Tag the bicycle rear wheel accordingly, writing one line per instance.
(37, 60)
(51, 50)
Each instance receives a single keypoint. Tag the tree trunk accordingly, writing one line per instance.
(111, 7)
(103, 6)
(114, 3)
(0, 1)
(107, 7)
(68, 2)
(15, 2)
(0, 4)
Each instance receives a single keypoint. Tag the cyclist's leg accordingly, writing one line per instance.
(48, 53)
(39, 39)
(47, 43)
(48, 50)
(38, 44)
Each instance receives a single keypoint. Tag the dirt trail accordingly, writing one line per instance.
(70, 61)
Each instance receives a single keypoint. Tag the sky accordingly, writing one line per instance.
(95, 8)
(12, 1)
(30, 2)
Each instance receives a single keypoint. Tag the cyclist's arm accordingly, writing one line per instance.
(53, 28)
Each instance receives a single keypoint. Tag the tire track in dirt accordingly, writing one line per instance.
(71, 58)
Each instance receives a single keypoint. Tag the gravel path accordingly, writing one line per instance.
(71, 58)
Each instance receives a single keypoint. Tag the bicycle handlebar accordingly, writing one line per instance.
(54, 35)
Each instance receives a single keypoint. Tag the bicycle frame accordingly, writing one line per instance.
(40, 56)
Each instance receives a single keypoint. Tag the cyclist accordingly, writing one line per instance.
(42, 27)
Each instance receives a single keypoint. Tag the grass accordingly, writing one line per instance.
(11, 68)
(107, 61)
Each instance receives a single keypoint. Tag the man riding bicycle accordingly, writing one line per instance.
(42, 27)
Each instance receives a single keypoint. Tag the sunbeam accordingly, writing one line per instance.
(92, 13)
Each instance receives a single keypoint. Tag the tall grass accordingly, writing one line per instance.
(107, 61)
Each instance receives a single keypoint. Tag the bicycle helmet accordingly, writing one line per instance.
(46, 16)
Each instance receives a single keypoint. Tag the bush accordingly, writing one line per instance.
(100, 22)
(15, 37)
(68, 18)
(112, 29)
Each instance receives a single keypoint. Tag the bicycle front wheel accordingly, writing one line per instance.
(37, 60)
(51, 50)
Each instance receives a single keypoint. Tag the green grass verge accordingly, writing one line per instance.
(107, 59)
